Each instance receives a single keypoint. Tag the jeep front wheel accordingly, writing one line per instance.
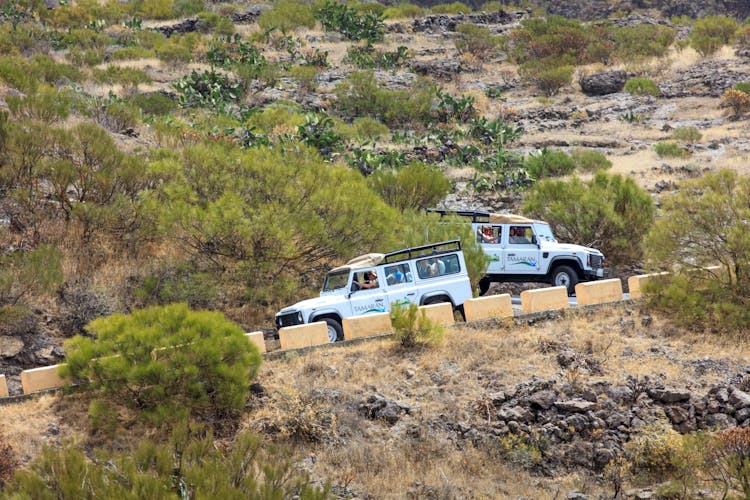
(565, 276)
(335, 332)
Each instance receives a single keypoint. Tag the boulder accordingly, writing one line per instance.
(10, 346)
(738, 399)
(442, 69)
(250, 14)
(669, 395)
(677, 414)
(603, 83)
(575, 406)
(543, 399)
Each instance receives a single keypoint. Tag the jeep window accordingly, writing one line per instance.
(432, 267)
(365, 280)
(489, 234)
(520, 235)
(335, 281)
(398, 274)
(544, 233)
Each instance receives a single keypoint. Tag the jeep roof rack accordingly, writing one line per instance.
(484, 216)
(475, 215)
(422, 251)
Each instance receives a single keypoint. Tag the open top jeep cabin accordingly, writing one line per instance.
(373, 283)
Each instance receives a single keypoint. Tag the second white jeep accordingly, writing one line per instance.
(525, 250)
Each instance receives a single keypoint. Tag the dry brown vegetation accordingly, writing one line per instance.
(311, 401)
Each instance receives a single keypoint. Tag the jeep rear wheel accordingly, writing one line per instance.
(565, 276)
(335, 332)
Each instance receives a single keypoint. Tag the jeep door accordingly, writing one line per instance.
(490, 236)
(402, 288)
(521, 252)
(368, 296)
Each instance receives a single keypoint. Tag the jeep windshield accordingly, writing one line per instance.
(544, 233)
(336, 281)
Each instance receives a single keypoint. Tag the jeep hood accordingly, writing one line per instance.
(314, 303)
(569, 247)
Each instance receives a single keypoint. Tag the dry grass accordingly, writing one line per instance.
(443, 384)
(29, 426)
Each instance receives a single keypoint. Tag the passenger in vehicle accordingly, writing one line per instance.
(395, 275)
(486, 236)
(370, 281)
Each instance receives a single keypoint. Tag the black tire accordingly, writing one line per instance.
(484, 286)
(565, 276)
(335, 332)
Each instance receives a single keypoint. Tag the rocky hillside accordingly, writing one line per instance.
(206, 155)
(601, 9)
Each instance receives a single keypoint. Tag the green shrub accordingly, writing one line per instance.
(369, 8)
(710, 33)
(451, 8)
(210, 89)
(642, 86)
(47, 105)
(493, 6)
(174, 54)
(363, 128)
(687, 134)
(22, 273)
(318, 132)
(226, 204)
(403, 11)
(590, 161)
(153, 9)
(90, 57)
(191, 462)
(127, 77)
(609, 212)
(130, 53)
(367, 57)
(17, 73)
(413, 187)
(180, 283)
(476, 40)
(548, 75)
(688, 238)
(360, 95)
(166, 361)
(306, 76)
(668, 149)
(412, 327)
(220, 25)
(742, 87)
(183, 8)
(642, 41)
(278, 117)
(287, 15)
(337, 16)
(551, 38)
(549, 163)
(650, 451)
(153, 103)
(231, 51)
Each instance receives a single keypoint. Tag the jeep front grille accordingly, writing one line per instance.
(596, 261)
(288, 319)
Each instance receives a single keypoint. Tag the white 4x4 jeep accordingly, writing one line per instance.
(373, 283)
(524, 250)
